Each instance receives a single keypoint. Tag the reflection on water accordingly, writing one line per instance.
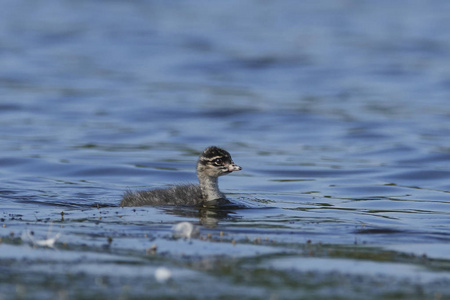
(337, 113)
(208, 217)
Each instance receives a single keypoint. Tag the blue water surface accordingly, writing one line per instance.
(337, 112)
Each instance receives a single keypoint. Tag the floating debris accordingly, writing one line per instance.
(185, 230)
(152, 250)
(49, 242)
(162, 274)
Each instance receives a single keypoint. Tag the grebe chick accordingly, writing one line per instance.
(212, 163)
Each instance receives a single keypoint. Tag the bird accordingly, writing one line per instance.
(212, 163)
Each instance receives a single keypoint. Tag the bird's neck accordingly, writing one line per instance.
(210, 187)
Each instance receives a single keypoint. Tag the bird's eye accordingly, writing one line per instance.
(218, 161)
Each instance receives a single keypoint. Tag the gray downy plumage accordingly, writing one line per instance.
(212, 163)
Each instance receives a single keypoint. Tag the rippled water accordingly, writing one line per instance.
(337, 111)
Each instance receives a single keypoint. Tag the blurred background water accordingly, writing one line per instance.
(338, 112)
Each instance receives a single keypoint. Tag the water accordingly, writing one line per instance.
(337, 111)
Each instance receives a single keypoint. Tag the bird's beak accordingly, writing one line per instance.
(233, 167)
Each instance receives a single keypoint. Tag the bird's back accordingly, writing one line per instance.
(189, 194)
